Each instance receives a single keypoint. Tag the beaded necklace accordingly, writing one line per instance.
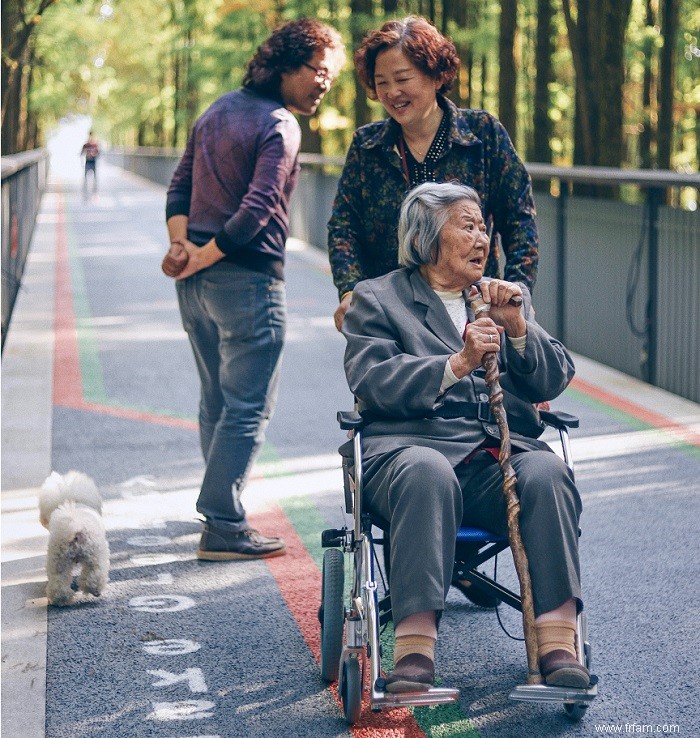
(417, 172)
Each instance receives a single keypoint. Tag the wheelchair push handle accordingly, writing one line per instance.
(350, 420)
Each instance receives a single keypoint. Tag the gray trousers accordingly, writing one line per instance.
(425, 500)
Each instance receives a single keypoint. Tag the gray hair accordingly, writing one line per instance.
(424, 212)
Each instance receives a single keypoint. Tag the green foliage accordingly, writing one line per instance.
(145, 71)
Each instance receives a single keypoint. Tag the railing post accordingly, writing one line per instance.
(653, 199)
(561, 259)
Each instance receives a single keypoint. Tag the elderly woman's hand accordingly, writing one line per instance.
(505, 300)
(481, 336)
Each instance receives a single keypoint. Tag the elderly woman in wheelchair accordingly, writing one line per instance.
(413, 361)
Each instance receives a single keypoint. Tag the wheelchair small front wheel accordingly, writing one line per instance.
(351, 690)
(332, 614)
(575, 711)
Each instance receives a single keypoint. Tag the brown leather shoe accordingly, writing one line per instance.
(219, 544)
(560, 669)
(413, 673)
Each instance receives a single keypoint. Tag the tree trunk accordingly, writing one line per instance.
(471, 19)
(176, 102)
(12, 110)
(484, 79)
(431, 11)
(609, 80)
(16, 33)
(454, 12)
(646, 137)
(544, 48)
(667, 82)
(28, 61)
(584, 117)
(468, 71)
(360, 22)
(597, 45)
(192, 91)
(507, 77)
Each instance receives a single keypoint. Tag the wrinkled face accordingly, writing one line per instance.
(303, 89)
(407, 93)
(462, 251)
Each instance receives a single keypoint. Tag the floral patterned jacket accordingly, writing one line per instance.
(362, 240)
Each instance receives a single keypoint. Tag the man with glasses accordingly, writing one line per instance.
(227, 215)
(323, 76)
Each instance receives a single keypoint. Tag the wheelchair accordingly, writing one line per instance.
(351, 621)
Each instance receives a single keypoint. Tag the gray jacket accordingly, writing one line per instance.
(399, 337)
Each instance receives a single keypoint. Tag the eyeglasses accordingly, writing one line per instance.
(322, 75)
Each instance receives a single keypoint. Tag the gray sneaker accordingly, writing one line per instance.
(219, 544)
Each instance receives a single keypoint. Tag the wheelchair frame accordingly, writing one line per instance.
(343, 658)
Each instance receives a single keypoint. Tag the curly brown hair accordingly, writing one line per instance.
(287, 49)
(419, 40)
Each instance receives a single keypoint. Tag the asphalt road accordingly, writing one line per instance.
(178, 648)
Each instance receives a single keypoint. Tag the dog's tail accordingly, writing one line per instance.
(73, 486)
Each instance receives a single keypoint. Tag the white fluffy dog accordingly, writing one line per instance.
(70, 507)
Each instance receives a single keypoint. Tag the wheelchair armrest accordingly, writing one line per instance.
(350, 420)
(559, 419)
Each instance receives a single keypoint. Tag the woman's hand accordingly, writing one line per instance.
(482, 336)
(339, 314)
(505, 300)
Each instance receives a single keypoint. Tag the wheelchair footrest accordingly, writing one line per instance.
(431, 696)
(543, 693)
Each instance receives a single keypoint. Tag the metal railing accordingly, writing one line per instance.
(665, 233)
(618, 282)
(23, 181)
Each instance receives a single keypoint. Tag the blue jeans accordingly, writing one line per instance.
(235, 319)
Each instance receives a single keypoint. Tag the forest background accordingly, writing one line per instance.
(601, 82)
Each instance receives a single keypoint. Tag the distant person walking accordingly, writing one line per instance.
(227, 214)
(90, 150)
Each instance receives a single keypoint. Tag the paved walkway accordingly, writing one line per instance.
(97, 376)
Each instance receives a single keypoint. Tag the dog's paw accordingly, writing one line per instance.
(60, 599)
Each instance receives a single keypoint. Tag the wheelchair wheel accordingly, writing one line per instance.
(576, 711)
(351, 689)
(332, 613)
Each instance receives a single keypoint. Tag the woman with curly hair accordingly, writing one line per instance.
(409, 67)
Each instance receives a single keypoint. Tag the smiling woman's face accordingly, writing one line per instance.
(462, 251)
(407, 93)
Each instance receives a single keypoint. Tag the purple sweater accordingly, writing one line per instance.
(236, 177)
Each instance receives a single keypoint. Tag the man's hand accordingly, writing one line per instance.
(200, 257)
(339, 314)
(175, 260)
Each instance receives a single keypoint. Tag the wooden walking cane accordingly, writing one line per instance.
(490, 364)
